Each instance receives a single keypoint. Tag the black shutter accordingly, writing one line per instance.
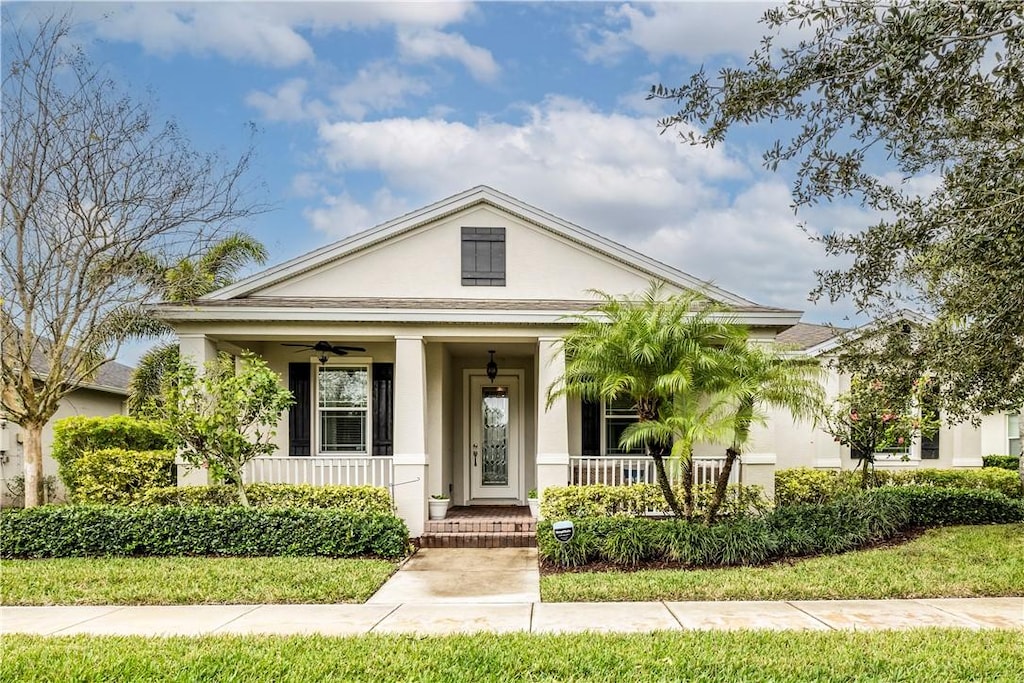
(591, 424)
(383, 399)
(300, 418)
(930, 444)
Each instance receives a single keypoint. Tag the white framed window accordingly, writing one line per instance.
(1013, 445)
(343, 409)
(615, 417)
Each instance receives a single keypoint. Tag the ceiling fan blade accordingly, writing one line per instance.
(307, 346)
(342, 350)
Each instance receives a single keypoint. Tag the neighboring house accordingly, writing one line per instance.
(956, 445)
(105, 395)
(429, 296)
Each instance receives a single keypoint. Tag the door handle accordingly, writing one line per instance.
(474, 454)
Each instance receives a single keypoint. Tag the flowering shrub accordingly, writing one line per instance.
(873, 417)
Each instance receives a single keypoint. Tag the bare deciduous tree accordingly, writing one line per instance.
(92, 187)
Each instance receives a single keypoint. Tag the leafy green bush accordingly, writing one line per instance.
(934, 506)
(73, 436)
(1005, 462)
(117, 476)
(805, 485)
(100, 530)
(849, 522)
(599, 500)
(369, 499)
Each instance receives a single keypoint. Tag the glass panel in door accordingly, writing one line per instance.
(494, 451)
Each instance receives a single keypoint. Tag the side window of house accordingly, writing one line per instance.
(483, 257)
(1013, 446)
(343, 399)
(618, 415)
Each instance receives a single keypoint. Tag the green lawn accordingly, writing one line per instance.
(912, 656)
(190, 580)
(967, 561)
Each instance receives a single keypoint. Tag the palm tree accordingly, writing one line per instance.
(180, 282)
(649, 350)
(762, 378)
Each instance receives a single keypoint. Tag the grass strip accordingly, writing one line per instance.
(967, 561)
(190, 580)
(919, 655)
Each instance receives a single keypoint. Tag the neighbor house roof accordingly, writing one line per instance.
(805, 335)
(841, 336)
(112, 377)
(460, 202)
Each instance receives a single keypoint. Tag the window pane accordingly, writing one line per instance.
(1013, 434)
(621, 406)
(343, 431)
(614, 426)
(343, 387)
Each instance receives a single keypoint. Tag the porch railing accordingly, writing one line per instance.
(624, 470)
(320, 471)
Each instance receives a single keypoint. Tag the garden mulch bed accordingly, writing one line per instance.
(549, 568)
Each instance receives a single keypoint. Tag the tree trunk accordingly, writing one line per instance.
(665, 484)
(864, 473)
(688, 484)
(722, 484)
(243, 499)
(33, 465)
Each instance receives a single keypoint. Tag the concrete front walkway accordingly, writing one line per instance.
(532, 617)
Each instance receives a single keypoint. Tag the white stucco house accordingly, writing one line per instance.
(385, 338)
(104, 396)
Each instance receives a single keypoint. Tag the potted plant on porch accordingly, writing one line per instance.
(534, 502)
(438, 505)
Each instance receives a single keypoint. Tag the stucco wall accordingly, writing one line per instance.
(540, 265)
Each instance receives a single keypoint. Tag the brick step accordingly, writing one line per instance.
(482, 539)
(478, 526)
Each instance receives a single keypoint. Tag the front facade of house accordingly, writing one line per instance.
(427, 298)
(424, 303)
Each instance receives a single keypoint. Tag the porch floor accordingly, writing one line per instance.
(482, 526)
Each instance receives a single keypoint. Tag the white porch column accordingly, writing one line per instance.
(553, 421)
(199, 350)
(410, 432)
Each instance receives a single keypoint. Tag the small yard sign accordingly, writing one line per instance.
(563, 531)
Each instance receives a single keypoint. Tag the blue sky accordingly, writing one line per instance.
(368, 110)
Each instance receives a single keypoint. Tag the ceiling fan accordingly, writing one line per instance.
(324, 347)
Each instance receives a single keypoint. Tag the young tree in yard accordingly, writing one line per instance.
(648, 350)
(760, 379)
(225, 416)
(873, 417)
(91, 186)
(927, 92)
(181, 282)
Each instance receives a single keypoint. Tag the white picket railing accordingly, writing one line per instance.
(320, 471)
(623, 470)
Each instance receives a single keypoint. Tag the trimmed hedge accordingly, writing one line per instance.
(798, 530)
(366, 499)
(807, 485)
(116, 531)
(73, 436)
(636, 500)
(1005, 462)
(119, 477)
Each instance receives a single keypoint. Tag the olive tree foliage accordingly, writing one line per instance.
(927, 92)
(91, 186)
(224, 415)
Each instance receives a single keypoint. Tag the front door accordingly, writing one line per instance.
(494, 448)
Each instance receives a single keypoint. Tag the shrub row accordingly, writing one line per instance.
(1006, 462)
(74, 436)
(808, 485)
(637, 500)
(366, 499)
(117, 476)
(113, 531)
(798, 530)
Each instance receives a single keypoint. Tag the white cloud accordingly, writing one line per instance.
(425, 44)
(343, 215)
(263, 33)
(287, 103)
(694, 30)
(377, 87)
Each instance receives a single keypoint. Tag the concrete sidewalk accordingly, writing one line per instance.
(531, 617)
